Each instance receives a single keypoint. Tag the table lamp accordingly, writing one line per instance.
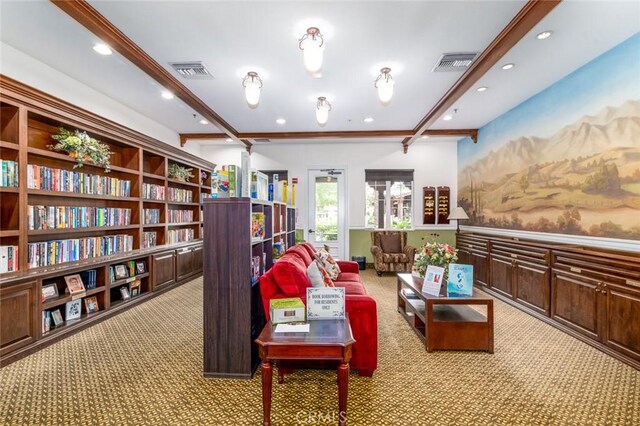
(458, 214)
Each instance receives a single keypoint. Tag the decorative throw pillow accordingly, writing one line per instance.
(318, 275)
(328, 263)
(390, 243)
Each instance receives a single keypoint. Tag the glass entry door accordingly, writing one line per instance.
(327, 210)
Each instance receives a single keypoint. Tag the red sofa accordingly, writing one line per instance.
(288, 278)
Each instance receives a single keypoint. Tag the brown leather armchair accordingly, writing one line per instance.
(391, 252)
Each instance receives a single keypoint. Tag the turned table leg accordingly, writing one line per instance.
(343, 384)
(267, 375)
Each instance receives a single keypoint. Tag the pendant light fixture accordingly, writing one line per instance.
(322, 111)
(252, 87)
(384, 83)
(312, 46)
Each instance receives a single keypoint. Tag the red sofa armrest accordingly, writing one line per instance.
(348, 266)
(363, 317)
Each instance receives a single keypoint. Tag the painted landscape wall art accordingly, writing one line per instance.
(566, 160)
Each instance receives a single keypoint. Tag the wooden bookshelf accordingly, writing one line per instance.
(28, 119)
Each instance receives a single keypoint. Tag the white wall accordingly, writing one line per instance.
(30, 71)
(435, 164)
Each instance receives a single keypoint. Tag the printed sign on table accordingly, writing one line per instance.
(433, 280)
(325, 303)
(460, 280)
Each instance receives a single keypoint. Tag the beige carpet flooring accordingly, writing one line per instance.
(143, 367)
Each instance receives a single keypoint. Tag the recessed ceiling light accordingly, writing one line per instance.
(368, 120)
(167, 94)
(229, 140)
(544, 35)
(508, 66)
(203, 121)
(425, 136)
(482, 88)
(447, 117)
(102, 49)
(281, 121)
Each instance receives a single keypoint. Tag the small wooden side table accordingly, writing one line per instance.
(327, 340)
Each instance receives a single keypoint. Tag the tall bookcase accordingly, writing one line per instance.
(46, 252)
(233, 312)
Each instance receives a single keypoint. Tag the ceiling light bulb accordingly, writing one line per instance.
(203, 121)
(384, 83)
(252, 87)
(425, 136)
(229, 140)
(481, 89)
(167, 94)
(312, 46)
(281, 121)
(102, 49)
(447, 117)
(544, 35)
(508, 66)
(322, 111)
(368, 120)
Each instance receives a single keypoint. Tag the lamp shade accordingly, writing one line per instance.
(322, 111)
(252, 87)
(458, 214)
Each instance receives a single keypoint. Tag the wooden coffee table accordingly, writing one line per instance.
(446, 322)
(327, 340)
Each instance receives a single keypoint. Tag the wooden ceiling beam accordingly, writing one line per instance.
(527, 18)
(92, 20)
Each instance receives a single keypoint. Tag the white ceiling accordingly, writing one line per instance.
(233, 37)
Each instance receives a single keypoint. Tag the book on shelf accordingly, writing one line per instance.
(153, 192)
(245, 171)
(48, 253)
(73, 310)
(89, 278)
(257, 226)
(151, 216)
(179, 216)
(408, 293)
(180, 195)
(50, 179)
(259, 185)
(8, 259)
(46, 321)
(91, 304)
(10, 174)
(223, 184)
(149, 239)
(235, 180)
(255, 269)
(64, 217)
(180, 235)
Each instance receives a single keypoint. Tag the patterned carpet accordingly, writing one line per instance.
(143, 367)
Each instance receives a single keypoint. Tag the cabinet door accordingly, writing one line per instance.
(502, 275)
(480, 262)
(184, 263)
(622, 323)
(574, 303)
(197, 258)
(163, 268)
(18, 316)
(533, 286)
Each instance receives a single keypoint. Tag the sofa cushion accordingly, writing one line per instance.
(390, 243)
(348, 276)
(329, 263)
(301, 252)
(290, 275)
(351, 287)
(318, 276)
(395, 258)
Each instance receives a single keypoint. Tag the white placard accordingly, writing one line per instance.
(325, 303)
(292, 328)
(433, 280)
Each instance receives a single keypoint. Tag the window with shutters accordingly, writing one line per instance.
(389, 199)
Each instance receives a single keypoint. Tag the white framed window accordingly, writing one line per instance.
(389, 199)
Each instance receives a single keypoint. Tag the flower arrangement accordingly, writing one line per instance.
(83, 148)
(436, 254)
(178, 172)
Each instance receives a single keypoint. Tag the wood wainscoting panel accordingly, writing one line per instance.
(533, 286)
(623, 320)
(502, 275)
(574, 303)
(18, 324)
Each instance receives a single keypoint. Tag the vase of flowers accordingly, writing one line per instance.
(436, 254)
(180, 173)
(82, 148)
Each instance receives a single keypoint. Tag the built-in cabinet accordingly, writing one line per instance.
(590, 293)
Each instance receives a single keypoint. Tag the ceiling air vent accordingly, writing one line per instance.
(454, 62)
(192, 70)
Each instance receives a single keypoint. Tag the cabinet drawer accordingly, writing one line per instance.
(18, 316)
(163, 268)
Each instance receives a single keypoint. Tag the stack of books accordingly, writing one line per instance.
(151, 216)
(180, 195)
(8, 259)
(89, 278)
(57, 217)
(9, 173)
(49, 253)
(180, 235)
(151, 191)
(49, 179)
(148, 239)
(178, 216)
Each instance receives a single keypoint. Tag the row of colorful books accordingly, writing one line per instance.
(149, 239)
(8, 259)
(151, 216)
(9, 173)
(180, 235)
(177, 216)
(49, 253)
(50, 179)
(60, 217)
(180, 195)
(154, 192)
(257, 226)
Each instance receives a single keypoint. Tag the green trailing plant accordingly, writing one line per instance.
(178, 172)
(83, 148)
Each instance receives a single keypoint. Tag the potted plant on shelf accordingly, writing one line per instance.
(180, 173)
(83, 148)
(436, 254)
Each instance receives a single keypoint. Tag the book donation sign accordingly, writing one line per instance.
(325, 303)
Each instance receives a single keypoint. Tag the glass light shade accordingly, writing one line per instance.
(322, 114)
(313, 52)
(385, 90)
(252, 89)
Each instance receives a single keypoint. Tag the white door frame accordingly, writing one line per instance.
(343, 206)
